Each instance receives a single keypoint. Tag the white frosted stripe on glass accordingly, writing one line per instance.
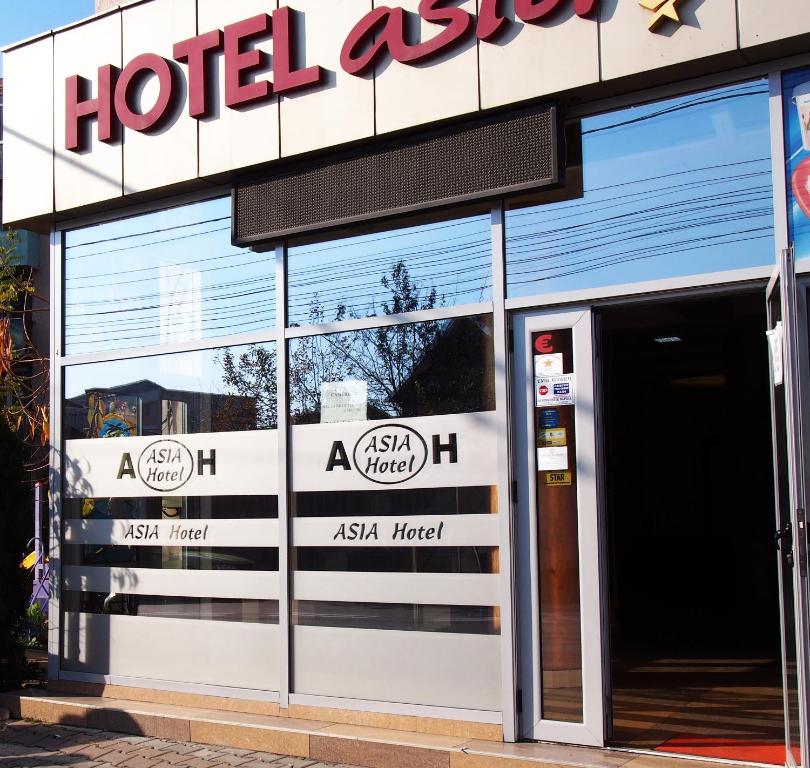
(411, 588)
(245, 585)
(174, 533)
(215, 464)
(424, 452)
(393, 531)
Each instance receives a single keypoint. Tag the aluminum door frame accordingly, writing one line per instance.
(533, 726)
(796, 381)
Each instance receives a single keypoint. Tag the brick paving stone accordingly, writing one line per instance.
(66, 741)
(139, 761)
(236, 761)
(196, 762)
(204, 753)
(254, 764)
(25, 761)
(117, 758)
(134, 739)
(161, 744)
(94, 750)
(7, 748)
(30, 735)
(174, 758)
(34, 745)
(182, 747)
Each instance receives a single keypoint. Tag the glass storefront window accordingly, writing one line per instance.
(163, 278)
(394, 514)
(170, 509)
(677, 187)
(420, 267)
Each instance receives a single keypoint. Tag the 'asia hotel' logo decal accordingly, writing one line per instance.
(166, 465)
(392, 453)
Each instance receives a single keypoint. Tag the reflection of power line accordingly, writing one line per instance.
(679, 108)
(659, 178)
(154, 267)
(693, 244)
(681, 209)
(269, 274)
(114, 238)
(622, 233)
(598, 245)
(598, 205)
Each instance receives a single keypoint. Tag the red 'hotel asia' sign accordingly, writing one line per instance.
(381, 32)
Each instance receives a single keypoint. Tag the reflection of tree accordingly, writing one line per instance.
(315, 360)
(252, 377)
(387, 357)
(438, 366)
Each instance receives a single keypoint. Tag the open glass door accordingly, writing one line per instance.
(791, 534)
(561, 697)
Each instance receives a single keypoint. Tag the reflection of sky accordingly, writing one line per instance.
(188, 371)
(453, 257)
(162, 278)
(798, 221)
(673, 188)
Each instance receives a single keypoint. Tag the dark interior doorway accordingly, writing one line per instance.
(694, 612)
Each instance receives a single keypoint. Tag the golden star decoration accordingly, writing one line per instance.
(663, 9)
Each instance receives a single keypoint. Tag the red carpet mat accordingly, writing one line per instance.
(726, 749)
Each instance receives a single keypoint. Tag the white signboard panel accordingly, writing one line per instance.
(174, 533)
(423, 452)
(344, 401)
(554, 390)
(215, 464)
(394, 531)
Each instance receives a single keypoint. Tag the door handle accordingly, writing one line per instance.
(783, 535)
(783, 538)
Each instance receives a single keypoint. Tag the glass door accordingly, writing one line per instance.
(791, 533)
(561, 696)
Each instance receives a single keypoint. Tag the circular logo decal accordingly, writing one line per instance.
(390, 454)
(543, 389)
(165, 465)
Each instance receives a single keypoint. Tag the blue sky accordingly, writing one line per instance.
(19, 20)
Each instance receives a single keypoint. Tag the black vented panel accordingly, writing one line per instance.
(490, 157)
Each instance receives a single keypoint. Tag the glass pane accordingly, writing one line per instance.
(420, 267)
(787, 566)
(558, 557)
(200, 608)
(796, 110)
(394, 523)
(673, 188)
(421, 369)
(169, 475)
(163, 278)
(216, 390)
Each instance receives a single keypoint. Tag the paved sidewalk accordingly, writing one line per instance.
(37, 745)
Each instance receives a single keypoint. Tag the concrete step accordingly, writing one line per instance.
(316, 740)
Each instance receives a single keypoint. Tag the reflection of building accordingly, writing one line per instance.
(146, 408)
(561, 492)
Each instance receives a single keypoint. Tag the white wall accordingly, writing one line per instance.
(529, 61)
